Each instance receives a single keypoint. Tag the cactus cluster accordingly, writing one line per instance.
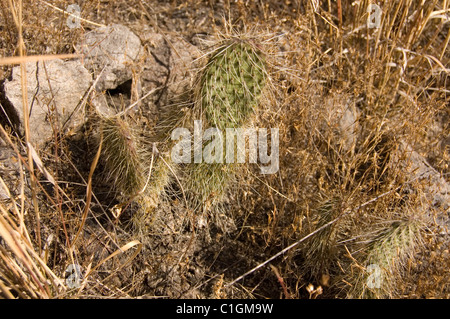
(135, 171)
(228, 93)
(320, 250)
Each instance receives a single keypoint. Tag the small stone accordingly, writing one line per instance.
(113, 49)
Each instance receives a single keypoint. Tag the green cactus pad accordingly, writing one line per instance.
(231, 84)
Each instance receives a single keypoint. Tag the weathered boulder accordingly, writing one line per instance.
(340, 114)
(55, 90)
(133, 66)
(113, 49)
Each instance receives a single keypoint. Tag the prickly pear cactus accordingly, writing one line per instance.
(229, 90)
(231, 84)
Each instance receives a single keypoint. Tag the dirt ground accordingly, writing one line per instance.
(364, 147)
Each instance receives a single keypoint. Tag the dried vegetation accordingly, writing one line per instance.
(346, 99)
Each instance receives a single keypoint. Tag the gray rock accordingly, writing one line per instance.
(166, 66)
(170, 62)
(436, 190)
(113, 49)
(54, 87)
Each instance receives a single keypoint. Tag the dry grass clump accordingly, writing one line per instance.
(320, 250)
(123, 155)
(226, 96)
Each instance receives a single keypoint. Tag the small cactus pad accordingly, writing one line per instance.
(231, 84)
(122, 156)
